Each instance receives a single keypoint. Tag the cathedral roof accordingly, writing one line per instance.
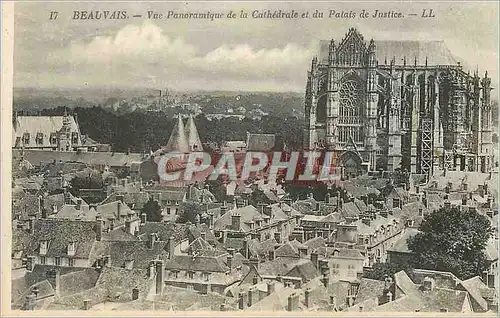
(436, 52)
(193, 138)
(178, 141)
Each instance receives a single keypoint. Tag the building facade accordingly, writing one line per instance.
(397, 104)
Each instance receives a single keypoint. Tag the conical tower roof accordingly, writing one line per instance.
(193, 137)
(178, 141)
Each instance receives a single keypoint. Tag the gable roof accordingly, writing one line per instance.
(60, 233)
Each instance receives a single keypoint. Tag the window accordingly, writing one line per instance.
(44, 246)
(71, 262)
(39, 138)
(43, 260)
(26, 138)
(58, 261)
(74, 137)
(190, 274)
(350, 112)
(53, 138)
(206, 276)
(71, 249)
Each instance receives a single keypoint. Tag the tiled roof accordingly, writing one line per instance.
(315, 243)
(349, 209)
(113, 159)
(27, 206)
(198, 264)
(60, 233)
(247, 213)
(70, 212)
(114, 210)
(134, 200)
(137, 251)
(287, 250)
(368, 289)
(280, 266)
(304, 270)
(474, 286)
(20, 239)
(164, 231)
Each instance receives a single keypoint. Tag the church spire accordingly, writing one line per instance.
(178, 141)
(193, 137)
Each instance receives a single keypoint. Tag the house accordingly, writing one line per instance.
(62, 242)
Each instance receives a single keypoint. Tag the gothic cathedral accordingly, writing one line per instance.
(389, 105)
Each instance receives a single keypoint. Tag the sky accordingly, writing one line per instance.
(225, 54)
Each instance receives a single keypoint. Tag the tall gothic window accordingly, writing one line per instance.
(350, 112)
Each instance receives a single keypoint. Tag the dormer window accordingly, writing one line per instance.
(53, 138)
(26, 138)
(71, 249)
(39, 138)
(44, 247)
(74, 137)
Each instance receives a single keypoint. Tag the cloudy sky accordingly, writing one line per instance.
(227, 54)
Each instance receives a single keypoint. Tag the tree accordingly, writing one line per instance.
(452, 239)
(188, 212)
(153, 211)
(380, 270)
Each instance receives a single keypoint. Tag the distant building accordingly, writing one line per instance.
(60, 133)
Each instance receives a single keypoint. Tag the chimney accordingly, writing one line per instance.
(86, 304)
(464, 200)
(293, 302)
(447, 204)
(98, 228)
(235, 222)
(252, 296)
(119, 209)
(30, 263)
(128, 227)
(366, 220)
(151, 269)
(230, 262)
(424, 201)
(241, 301)
(31, 225)
(255, 280)
(272, 254)
(78, 204)
(30, 302)
(268, 210)
(171, 247)
(135, 293)
(302, 252)
(277, 237)
(314, 259)
(270, 287)
(245, 248)
(488, 202)
(333, 300)
(144, 217)
(152, 240)
(223, 209)
(325, 280)
(53, 277)
(159, 277)
(307, 295)
(388, 296)
(420, 212)
(230, 251)
(203, 235)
